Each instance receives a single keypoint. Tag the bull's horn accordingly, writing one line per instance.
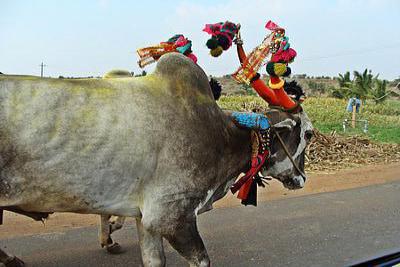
(264, 91)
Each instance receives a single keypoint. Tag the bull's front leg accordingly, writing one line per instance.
(151, 245)
(116, 223)
(175, 221)
(10, 261)
(185, 238)
(105, 231)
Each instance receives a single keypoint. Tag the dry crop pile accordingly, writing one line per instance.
(331, 152)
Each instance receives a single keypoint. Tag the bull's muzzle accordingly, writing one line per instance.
(297, 182)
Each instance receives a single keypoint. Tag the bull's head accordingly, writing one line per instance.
(296, 131)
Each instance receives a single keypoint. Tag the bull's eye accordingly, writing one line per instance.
(309, 135)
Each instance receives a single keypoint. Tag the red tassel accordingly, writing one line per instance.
(244, 190)
(251, 198)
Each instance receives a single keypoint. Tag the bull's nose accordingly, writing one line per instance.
(299, 181)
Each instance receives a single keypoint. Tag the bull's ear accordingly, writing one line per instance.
(285, 124)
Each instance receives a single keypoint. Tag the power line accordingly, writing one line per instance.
(353, 52)
(41, 69)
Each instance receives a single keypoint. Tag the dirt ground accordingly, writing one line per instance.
(318, 182)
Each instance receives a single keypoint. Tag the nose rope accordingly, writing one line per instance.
(288, 154)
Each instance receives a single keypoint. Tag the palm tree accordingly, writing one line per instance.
(362, 85)
(344, 86)
(379, 92)
(344, 80)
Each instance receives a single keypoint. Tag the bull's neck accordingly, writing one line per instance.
(238, 150)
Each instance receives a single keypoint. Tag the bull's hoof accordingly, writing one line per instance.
(114, 248)
(14, 262)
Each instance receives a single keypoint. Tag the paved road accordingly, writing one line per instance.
(329, 229)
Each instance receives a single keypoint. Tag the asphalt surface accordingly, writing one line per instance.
(329, 229)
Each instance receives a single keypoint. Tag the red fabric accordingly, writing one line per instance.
(284, 55)
(213, 29)
(265, 92)
(272, 26)
(275, 79)
(254, 162)
(192, 57)
(245, 189)
(250, 174)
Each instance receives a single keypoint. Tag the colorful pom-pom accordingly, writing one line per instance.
(212, 43)
(288, 72)
(216, 52)
(270, 69)
(222, 36)
(278, 69)
(224, 42)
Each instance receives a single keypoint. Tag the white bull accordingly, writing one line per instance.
(157, 148)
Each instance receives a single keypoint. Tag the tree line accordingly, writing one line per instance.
(364, 85)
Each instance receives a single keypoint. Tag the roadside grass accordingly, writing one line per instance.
(327, 115)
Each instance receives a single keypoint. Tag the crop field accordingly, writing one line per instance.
(327, 115)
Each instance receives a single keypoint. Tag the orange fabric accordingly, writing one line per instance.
(245, 189)
(265, 92)
(284, 100)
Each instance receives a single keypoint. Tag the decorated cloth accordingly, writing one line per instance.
(182, 45)
(254, 121)
(177, 43)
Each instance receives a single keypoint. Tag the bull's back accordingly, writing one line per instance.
(92, 145)
(74, 142)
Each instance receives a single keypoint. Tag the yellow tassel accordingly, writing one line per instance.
(276, 85)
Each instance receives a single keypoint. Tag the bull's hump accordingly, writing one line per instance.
(183, 72)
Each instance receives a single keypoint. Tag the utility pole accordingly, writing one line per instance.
(41, 69)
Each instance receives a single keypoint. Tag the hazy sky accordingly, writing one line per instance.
(85, 38)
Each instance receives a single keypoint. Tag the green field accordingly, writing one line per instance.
(327, 115)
